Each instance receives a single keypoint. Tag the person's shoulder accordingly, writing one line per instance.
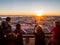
(53, 27)
(3, 22)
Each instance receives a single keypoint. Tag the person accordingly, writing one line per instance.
(18, 34)
(7, 30)
(39, 36)
(35, 26)
(56, 33)
(1, 32)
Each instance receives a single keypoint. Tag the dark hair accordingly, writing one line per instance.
(18, 26)
(8, 19)
(39, 28)
(57, 23)
(35, 26)
(40, 31)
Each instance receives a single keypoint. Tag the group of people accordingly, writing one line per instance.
(7, 37)
(54, 38)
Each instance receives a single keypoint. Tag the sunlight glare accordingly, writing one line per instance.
(38, 13)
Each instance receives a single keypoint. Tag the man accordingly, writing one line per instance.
(7, 30)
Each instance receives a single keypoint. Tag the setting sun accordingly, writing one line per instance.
(38, 13)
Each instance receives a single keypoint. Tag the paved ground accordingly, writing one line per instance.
(31, 41)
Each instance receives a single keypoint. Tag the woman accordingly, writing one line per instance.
(39, 36)
(18, 34)
(56, 33)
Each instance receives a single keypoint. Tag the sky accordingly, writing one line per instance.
(29, 7)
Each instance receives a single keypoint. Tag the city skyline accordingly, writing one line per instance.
(30, 7)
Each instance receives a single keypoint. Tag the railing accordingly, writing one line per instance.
(32, 35)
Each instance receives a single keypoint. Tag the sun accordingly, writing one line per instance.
(38, 13)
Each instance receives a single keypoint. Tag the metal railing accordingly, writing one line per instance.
(32, 35)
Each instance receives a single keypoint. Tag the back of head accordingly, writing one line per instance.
(40, 31)
(8, 19)
(35, 26)
(18, 26)
(39, 28)
(57, 23)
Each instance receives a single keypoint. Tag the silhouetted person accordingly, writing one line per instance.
(39, 36)
(1, 32)
(18, 34)
(56, 34)
(7, 31)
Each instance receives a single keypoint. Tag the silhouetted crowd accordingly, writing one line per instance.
(8, 37)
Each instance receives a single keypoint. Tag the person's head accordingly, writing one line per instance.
(8, 19)
(57, 23)
(18, 26)
(39, 28)
(35, 26)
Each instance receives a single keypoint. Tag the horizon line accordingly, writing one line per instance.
(29, 15)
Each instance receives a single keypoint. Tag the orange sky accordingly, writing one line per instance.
(30, 7)
(28, 13)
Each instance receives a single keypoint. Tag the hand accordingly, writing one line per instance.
(16, 35)
(5, 35)
(35, 31)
